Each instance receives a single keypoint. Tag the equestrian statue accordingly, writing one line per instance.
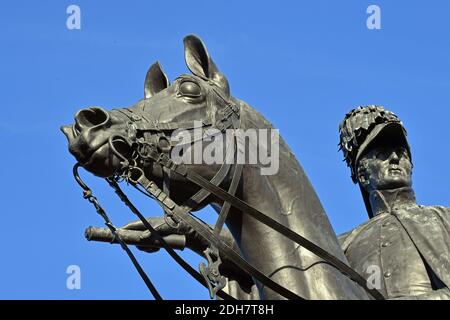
(272, 238)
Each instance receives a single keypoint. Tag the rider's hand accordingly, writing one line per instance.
(164, 227)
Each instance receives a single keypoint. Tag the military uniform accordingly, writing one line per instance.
(406, 247)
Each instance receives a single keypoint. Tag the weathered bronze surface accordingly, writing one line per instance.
(259, 210)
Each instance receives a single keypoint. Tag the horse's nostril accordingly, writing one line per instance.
(91, 117)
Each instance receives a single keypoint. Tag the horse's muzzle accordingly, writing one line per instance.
(89, 138)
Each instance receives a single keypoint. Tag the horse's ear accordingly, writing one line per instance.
(155, 80)
(200, 63)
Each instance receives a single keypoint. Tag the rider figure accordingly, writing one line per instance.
(404, 248)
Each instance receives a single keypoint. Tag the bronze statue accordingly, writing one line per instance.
(408, 243)
(279, 242)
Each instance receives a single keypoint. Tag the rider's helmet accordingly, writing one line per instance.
(361, 129)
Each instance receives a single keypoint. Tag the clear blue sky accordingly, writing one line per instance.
(303, 64)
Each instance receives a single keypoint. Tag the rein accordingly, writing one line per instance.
(87, 194)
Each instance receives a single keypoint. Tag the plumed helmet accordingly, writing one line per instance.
(364, 127)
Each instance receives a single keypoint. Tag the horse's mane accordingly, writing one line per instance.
(251, 118)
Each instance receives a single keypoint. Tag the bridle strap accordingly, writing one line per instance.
(142, 123)
(227, 205)
(236, 178)
(217, 179)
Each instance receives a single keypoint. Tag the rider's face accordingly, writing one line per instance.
(387, 167)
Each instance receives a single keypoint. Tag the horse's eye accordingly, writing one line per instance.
(190, 89)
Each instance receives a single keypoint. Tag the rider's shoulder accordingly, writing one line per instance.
(442, 211)
(346, 238)
(443, 208)
(361, 226)
(435, 208)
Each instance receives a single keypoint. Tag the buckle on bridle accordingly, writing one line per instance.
(164, 159)
(211, 273)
